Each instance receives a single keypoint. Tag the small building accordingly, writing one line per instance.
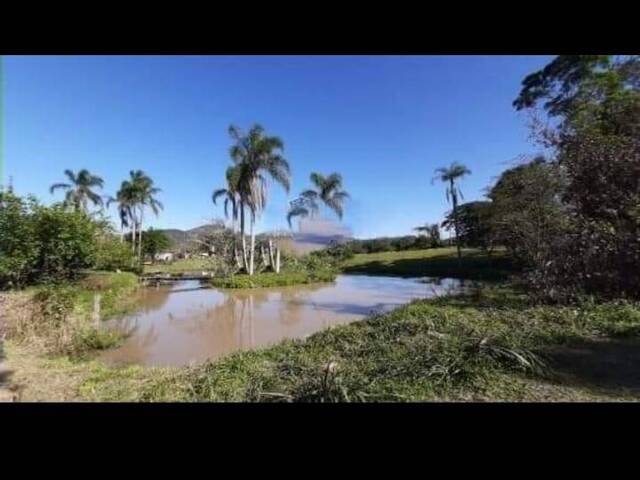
(164, 257)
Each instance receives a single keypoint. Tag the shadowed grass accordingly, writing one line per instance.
(434, 262)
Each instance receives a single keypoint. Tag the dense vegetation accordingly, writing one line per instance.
(52, 243)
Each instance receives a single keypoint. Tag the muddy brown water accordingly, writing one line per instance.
(184, 323)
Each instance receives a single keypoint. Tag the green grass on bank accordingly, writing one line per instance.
(270, 279)
(490, 345)
(179, 266)
(433, 262)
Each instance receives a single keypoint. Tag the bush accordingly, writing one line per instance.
(112, 254)
(264, 280)
(39, 243)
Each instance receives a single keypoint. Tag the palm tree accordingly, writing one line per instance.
(124, 200)
(328, 190)
(255, 157)
(449, 175)
(232, 198)
(142, 193)
(431, 231)
(79, 190)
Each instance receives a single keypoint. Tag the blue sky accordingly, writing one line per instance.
(384, 122)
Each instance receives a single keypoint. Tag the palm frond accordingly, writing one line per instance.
(296, 211)
(56, 186)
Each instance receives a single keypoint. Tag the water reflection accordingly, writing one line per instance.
(184, 323)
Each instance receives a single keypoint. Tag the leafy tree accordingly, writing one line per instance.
(18, 242)
(112, 254)
(449, 175)
(432, 232)
(39, 243)
(597, 147)
(154, 242)
(79, 189)
(527, 212)
(474, 224)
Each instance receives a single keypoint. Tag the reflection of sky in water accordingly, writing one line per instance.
(182, 323)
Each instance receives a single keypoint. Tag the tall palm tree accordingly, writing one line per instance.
(328, 190)
(256, 156)
(143, 194)
(449, 175)
(79, 189)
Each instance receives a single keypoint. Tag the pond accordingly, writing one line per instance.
(184, 323)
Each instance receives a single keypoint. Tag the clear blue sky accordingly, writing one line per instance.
(384, 122)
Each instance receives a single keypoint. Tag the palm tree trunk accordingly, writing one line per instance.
(271, 260)
(454, 200)
(140, 236)
(253, 244)
(236, 254)
(244, 240)
(133, 233)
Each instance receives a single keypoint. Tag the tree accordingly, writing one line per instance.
(256, 156)
(474, 224)
(430, 231)
(449, 175)
(79, 191)
(527, 211)
(233, 199)
(124, 201)
(327, 190)
(596, 146)
(141, 192)
(39, 243)
(154, 242)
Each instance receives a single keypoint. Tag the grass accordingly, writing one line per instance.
(179, 266)
(270, 279)
(433, 262)
(493, 344)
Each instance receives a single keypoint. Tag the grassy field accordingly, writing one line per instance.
(436, 262)
(179, 266)
(493, 344)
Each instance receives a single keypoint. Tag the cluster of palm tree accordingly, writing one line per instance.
(256, 157)
(134, 196)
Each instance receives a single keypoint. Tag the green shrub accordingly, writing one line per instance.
(112, 255)
(39, 244)
(270, 279)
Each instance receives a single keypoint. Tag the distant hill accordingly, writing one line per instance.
(181, 239)
(311, 235)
